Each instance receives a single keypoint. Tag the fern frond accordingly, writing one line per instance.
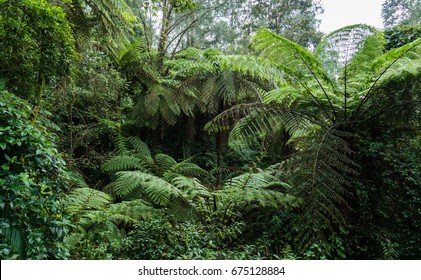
(189, 169)
(359, 43)
(255, 189)
(122, 163)
(131, 211)
(226, 119)
(302, 67)
(156, 189)
(397, 64)
(251, 66)
(120, 143)
(78, 179)
(114, 16)
(82, 199)
(138, 63)
(319, 176)
(191, 188)
(140, 147)
(14, 236)
(164, 162)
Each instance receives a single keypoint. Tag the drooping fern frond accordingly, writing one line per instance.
(319, 177)
(260, 121)
(114, 17)
(156, 189)
(226, 119)
(189, 169)
(194, 195)
(249, 191)
(131, 211)
(122, 163)
(83, 199)
(140, 147)
(138, 62)
(191, 188)
(164, 161)
(14, 236)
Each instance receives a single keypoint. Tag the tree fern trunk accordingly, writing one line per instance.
(220, 136)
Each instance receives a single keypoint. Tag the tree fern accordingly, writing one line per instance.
(319, 101)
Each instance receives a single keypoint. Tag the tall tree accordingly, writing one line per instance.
(36, 46)
(396, 12)
(231, 25)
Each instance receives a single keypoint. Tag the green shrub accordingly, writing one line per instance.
(32, 179)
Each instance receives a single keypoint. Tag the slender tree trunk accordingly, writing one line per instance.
(163, 37)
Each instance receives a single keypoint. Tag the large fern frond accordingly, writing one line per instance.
(397, 64)
(256, 189)
(164, 161)
(139, 63)
(347, 44)
(83, 199)
(114, 17)
(122, 163)
(156, 189)
(131, 211)
(301, 67)
(140, 147)
(189, 169)
(191, 188)
(15, 237)
(259, 121)
(319, 176)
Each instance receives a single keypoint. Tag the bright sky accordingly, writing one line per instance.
(340, 13)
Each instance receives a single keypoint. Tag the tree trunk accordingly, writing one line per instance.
(163, 37)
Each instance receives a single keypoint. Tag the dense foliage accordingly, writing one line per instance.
(184, 130)
(33, 186)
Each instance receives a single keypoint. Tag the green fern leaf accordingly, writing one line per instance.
(156, 189)
(122, 163)
(82, 199)
(140, 146)
(165, 162)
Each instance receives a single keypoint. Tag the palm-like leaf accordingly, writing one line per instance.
(113, 16)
